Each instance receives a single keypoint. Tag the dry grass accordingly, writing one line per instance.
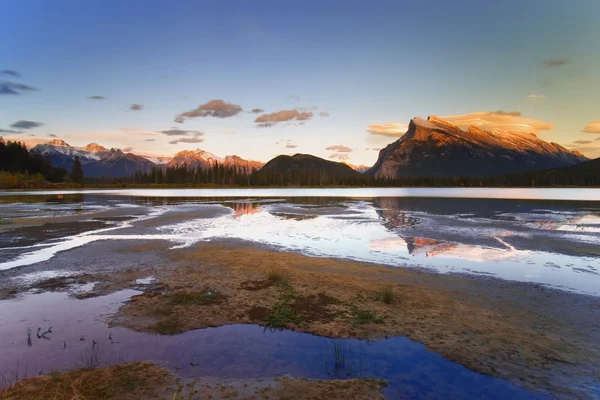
(279, 276)
(139, 380)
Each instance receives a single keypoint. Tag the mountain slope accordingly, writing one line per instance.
(307, 164)
(435, 147)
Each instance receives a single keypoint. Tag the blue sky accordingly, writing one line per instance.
(362, 63)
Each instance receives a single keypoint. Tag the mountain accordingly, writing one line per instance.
(96, 160)
(437, 148)
(307, 164)
(359, 168)
(248, 165)
(194, 159)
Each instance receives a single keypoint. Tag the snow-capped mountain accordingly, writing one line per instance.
(98, 161)
(438, 148)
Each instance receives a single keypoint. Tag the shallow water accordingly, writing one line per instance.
(234, 351)
(550, 242)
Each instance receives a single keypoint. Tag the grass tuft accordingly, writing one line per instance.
(281, 316)
(198, 298)
(387, 294)
(362, 317)
(279, 276)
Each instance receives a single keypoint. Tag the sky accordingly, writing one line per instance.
(337, 79)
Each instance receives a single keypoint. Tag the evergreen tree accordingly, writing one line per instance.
(77, 172)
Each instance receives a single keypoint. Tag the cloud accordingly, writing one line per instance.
(290, 146)
(257, 110)
(127, 149)
(11, 88)
(10, 72)
(583, 141)
(556, 62)
(23, 124)
(508, 113)
(340, 156)
(136, 107)
(592, 127)
(96, 97)
(324, 114)
(188, 140)
(268, 120)
(181, 132)
(214, 108)
(150, 140)
(9, 131)
(387, 129)
(339, 148)
(537, 98)
(295, 98)
(499, 120)
(52, 135)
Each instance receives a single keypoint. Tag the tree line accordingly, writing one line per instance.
(21, 168)
(221, 175)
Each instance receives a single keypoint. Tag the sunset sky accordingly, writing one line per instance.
(337, 79)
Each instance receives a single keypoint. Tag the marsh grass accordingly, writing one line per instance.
(279, 276)
(343, 360)
(181, 389)
(281, 316)
(361, 317)
(168, 326)
(387, 294)
(90, 359)
(197, 298)
(4, 221)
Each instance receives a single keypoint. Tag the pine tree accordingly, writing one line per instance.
(77, 172)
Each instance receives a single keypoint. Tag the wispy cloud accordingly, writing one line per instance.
(555, 62)
(512, 121)
(592, 127)
(96, 97)
(10, 72)
(268, 120)
(11, 88)
(340, 156)
(537, 98)
(127, 149)
(187, 140)
(387, 129)
(150, 140)
(52, 135)
(257, 110)
(339, 148)
(324, 114)
(181, 132)
(290, 146)
(583, 141)
(24, 124)
(136, 107)
(10, 131)
(214, 108)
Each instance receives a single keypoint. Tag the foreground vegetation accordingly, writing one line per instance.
(144, 380)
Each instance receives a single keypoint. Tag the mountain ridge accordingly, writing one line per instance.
(436, 147)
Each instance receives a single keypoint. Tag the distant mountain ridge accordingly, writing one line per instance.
(97, 161)
(438, 148)
(307, 164)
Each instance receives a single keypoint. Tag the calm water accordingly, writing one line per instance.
(234, 351)
(547, 241)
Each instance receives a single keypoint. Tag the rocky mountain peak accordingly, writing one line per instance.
(58, 143)
(94, 147)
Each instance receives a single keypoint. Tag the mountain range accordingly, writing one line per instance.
(429, 148)
(97, 161)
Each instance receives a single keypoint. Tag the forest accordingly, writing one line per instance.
(20, 168)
